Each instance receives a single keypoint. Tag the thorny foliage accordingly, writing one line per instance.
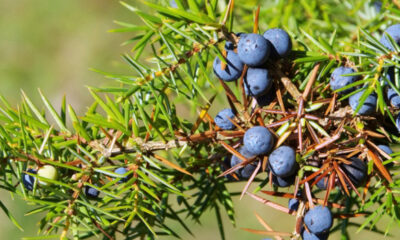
(174, 162)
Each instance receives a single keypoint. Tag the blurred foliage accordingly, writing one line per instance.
(52, 44)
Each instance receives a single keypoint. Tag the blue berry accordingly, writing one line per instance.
(122, 171)
(280, 42)
(393, 97)
(225, 166)
(398, 122)
(387, 150)
(293, 204)
(235, 160)
(247, 170)
(253, 49)
(258, 140)
(29, 180)
(394, 32)
(266, 99)
(369, 105)
(390, 75)
(311, 236)
(337, 81)
(233, 68)
(322, 183)
(356, 171)
(257, 81)
(377, 5)
(229, 46)
(282, 161)
(283, 182)
(318, 220)
(173, 4)
(91, 192)
(222, 119)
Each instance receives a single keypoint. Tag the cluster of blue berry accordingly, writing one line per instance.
(341, 77)
(254, 50)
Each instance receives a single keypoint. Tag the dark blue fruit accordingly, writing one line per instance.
(257, 82)
(266, 99)
(390, 75)
(225, 166)
(283, 182)
(377, 5)
(356, 171)
(235, 160)
(394, 32)
(280, 42)
(222, 119)
(337, 81)
(322, 183)
(391, 94)
(258, 140)
(122, 171)
(387, 150)
(398, 122)
(233, 68)
(311, 236)
(293, 204)
(393, 97)
(369, 105)
(229, 45)
(282, 161)
(253, 49)
(173, 4)
(29, 180)
(247, 170)
(318, 220)
(91, 192)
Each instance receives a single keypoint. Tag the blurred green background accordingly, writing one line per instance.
(51, 45)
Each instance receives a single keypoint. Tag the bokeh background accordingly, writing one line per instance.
(51, 45)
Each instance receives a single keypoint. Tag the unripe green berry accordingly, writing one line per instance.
(47, 171)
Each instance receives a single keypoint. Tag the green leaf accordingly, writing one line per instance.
(311, 59)
(220, 222)
(42, 237)
(10, 216)
(90, 206)
(147, 224)
(34, 109)
(160, 179)
(363, 97)
(145, 16)
(53, 113)
(199, 17)
(320, 45)
(100, 121)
